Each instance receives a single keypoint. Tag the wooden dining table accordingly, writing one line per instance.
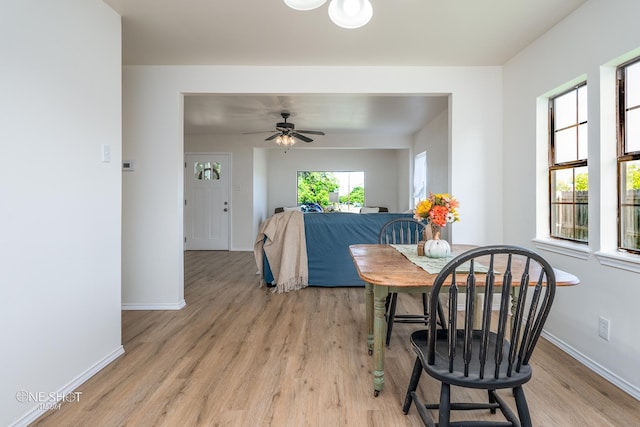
(385, 270)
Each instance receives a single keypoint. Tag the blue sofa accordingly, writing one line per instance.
(328, 236)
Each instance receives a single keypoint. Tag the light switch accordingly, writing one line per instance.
(106, 153)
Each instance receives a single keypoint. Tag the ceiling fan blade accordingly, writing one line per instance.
(274, 136)
(312, 132)
(301, 137)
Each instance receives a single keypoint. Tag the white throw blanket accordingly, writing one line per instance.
(286, 250)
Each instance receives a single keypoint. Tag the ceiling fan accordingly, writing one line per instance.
(286, 132)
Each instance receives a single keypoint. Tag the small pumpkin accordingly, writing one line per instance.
(437, 248)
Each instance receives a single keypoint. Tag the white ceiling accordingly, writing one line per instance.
(372, 114)
(267, 32)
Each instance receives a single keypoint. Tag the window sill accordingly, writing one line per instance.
(621, 260)
(571, 249)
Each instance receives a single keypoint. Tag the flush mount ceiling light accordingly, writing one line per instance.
(350, 13)
(344, 13)
(304, 4)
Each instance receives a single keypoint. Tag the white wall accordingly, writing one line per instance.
(404, 189)
(153, 136)
(60, 80)
(434, 140)
(596, 34)
(260, 188)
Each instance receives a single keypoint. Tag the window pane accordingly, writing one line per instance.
(582, 104)
(562, 185)
(582, 204)
(570, 204)
(205, 171)
(565, 145)
(315, 187)
(632, 132)
(202, 171)
(630, 179)
(583, 136)
(565, 110)
(582, 183)
(570, 222)
(630, 227)
(420, 177)
(630, 205)
(562, 221)
(632, 85)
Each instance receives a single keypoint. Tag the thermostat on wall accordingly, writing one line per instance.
(128, 165)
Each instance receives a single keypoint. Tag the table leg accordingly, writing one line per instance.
(379, 334)
(368, 298)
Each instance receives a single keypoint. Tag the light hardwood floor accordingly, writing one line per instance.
(239, 355)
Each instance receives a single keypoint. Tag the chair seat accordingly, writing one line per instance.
(440, 368)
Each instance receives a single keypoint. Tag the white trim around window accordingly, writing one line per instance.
(621, 260)
(564, 247)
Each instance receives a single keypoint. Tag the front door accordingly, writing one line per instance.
(207, 201)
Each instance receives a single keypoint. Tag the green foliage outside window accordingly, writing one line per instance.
(355, 196)
(314, 187)
(633, 177)
(582, 182)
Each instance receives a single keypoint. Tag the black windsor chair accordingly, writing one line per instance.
(404, 231)
(485, 356)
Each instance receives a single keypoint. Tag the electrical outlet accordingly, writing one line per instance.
(604, 328)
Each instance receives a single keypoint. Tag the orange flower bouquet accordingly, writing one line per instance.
(438, 209)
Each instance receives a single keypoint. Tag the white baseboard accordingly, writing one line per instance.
(70, 387)
(614, 379)
(174, 306)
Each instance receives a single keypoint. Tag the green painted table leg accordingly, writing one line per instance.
(368, 298)
(379, 334)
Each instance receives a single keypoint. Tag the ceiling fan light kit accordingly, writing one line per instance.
(285, 140)
(344, 13)
(286, 134)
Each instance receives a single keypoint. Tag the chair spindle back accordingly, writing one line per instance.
(516, 324)
(401, 231)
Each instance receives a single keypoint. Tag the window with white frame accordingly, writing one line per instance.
(320, 187)
(628, 82)
(568, 175)
(419, 177)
